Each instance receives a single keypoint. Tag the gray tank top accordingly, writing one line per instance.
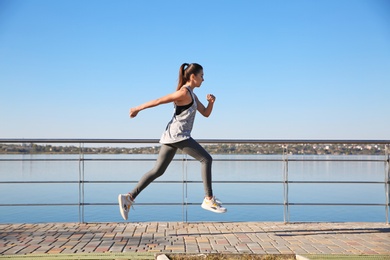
(180, 126)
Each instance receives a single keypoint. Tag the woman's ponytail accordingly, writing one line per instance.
(185, 72)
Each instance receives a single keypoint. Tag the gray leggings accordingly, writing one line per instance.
(167, 152)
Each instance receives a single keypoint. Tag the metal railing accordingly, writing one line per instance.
(286, 159)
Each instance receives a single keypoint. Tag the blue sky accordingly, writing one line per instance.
(298, 69)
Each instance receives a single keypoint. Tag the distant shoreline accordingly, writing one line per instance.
(304, 149)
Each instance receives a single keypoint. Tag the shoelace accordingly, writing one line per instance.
(131, 202)
(216, 202)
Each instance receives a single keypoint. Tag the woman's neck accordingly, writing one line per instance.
(190, 84)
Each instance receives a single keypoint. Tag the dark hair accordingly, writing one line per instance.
(185, 71)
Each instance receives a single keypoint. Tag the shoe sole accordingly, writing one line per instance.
(120, 207)
(212, 210)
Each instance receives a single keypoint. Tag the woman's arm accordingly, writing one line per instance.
(176, 96)
(206, 111)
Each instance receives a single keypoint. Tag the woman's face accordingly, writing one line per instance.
(198, 78)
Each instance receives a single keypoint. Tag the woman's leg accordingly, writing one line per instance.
(192, 148)
(165, 156)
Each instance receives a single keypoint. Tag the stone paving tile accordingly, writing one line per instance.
(208, 237)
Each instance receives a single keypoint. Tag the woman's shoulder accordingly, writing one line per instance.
(185, 90)
(185, 87)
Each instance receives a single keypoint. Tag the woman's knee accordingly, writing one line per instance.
(156, 172)
(207, 159)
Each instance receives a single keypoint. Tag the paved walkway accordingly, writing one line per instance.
(210, 237)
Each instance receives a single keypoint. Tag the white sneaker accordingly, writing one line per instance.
(125, 203)
(213, 205)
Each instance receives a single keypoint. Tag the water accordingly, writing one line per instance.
(53, 168)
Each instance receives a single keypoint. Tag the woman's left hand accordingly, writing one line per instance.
(210, 98)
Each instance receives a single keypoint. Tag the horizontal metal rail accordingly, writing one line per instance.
(285, 158)
(193, 204)
(204, 141)
(215, 160)
(189, 182)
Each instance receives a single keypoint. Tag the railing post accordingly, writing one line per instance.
(81, 183)
(286, 215)
(387, 181)
(185, 189)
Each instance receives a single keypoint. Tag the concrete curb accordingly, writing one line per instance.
(162, 257)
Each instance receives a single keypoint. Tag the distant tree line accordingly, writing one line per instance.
(309, 149)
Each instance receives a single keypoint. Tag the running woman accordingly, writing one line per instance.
(177, 135)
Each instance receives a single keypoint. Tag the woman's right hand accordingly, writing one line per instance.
(133, 112)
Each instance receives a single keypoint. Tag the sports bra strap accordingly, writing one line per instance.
(180, 109)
